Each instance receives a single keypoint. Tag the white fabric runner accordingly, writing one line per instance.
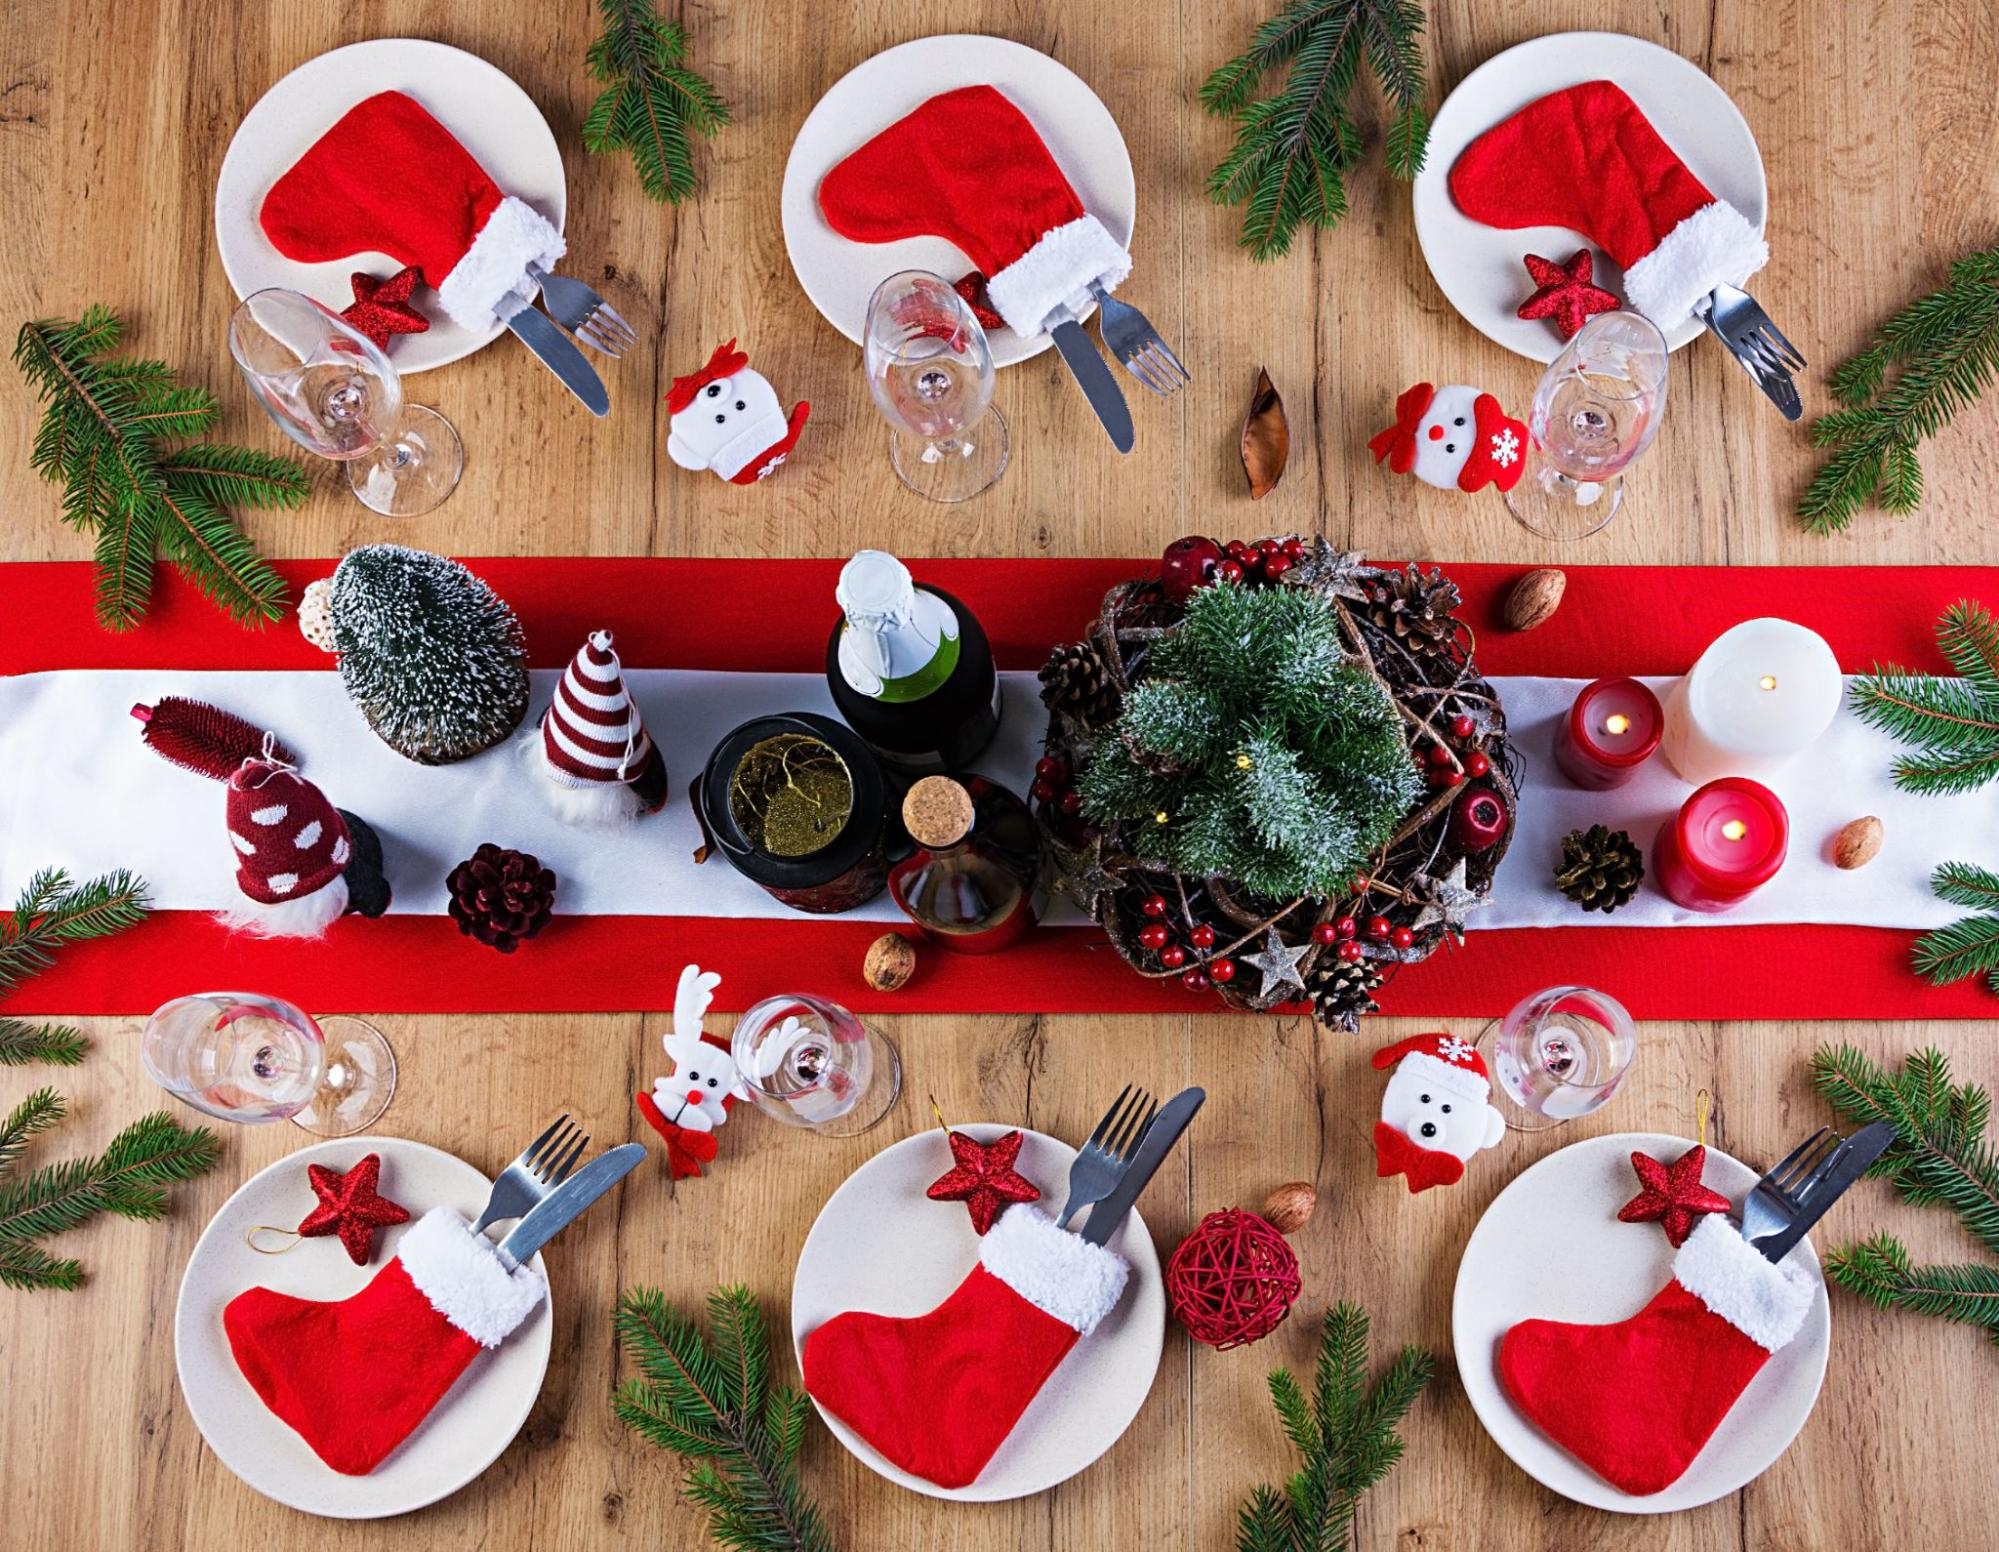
(79, 790)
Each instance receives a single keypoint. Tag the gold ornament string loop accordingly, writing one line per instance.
(1703, 1105)
(250, 1239)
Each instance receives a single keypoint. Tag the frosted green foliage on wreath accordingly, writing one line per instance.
(432, 656)
(1255, 748)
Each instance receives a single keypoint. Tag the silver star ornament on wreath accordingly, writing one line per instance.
(1451, 898)
(1277, 963)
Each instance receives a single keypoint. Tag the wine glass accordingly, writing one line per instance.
(809, 1062)
(1596, 410)
(242, 1056)
(1561, 1053)
(335, 394)
(931, 373)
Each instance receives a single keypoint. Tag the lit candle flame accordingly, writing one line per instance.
(1617, 722)
(1734, 829)
(1768, 681)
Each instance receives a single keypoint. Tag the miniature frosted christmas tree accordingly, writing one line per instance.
(432, 656)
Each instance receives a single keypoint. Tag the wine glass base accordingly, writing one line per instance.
(413, 470)
(954, 469)
(879, 1099)
(1556, 506)
(1517, 1119)
(357, 1084)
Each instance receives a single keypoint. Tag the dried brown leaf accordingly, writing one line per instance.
(1266, 438)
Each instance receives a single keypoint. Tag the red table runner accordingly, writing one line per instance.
(772, 616)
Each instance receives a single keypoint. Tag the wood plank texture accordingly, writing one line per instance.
(1876, 129)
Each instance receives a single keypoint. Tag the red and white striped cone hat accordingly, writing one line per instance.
(601, 766)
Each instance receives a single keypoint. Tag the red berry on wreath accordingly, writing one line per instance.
(1349, 951)
(1402, 937)
(1070, 802)
(1295, 547)
(1188, 564)
(1042, 791)
(1202, 936)
(1048, 768)
(1229, 571)
(1440, 780)
(1268, 547)
(1477, 763)
(1155, 936)
(1195, 980)
(1236, 549)
(1326, 933)
(1233, 1280)
(1274, 566)
(1378, 927)
(1222, 971)
(1462, 726)
(1478, 820)
(1173, 956)
(1439, 756)
(1565, 293)
(1154, 905)
(1345, 927)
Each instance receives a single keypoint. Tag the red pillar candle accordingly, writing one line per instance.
(1610, 731)
(1727, 841)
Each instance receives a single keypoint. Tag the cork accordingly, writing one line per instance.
(937, 812)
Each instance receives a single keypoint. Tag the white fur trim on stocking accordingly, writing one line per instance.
(1714, 246)
(515, 235)
(1725, 1272)
(306, 917)
(1059, 1273)
(460, 1273)
(1056, 272)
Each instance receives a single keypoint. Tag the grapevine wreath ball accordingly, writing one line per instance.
(1276, 773)
(1233, 1280)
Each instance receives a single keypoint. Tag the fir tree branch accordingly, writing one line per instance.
(1952, 724)
(711, 1403)
(52, 911)
(1880, 1271)
(1294, 148)
(60, 1045)
(653, 102)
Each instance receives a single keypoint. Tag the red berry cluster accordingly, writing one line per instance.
(1194, 562)
(1342, 934)
(1053, 786)
(1479, 817)
(1157, 936)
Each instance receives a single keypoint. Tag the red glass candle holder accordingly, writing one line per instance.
(1727, 841)
(1611, 730)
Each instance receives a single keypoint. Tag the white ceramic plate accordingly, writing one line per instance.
(838, 275)
(475, 1421)
(491, 116)
(1550, 1246)
(1478, 267)
(881, 1245)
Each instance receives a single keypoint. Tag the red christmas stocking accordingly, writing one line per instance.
(939, 1394)
(354, 1377)
(1636, 1401)
(967, 166)
(1588, 159)
(388, 178)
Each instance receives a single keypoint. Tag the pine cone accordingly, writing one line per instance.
(501, 897)
(1342, 992)
(1074, 683)
(1600, 868)
(1415, 607)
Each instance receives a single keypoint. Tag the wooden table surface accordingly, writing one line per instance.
(1883, 156)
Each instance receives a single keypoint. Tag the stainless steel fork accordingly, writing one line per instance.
(1104, 1157)
(542, 1166)
(1737, 319)
(584, 313)
(1781, 1194)
(1129, 335)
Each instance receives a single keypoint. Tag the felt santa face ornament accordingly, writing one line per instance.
(388, 178)
(1455, 438)
(727, 418)
(967, 166)
(1434, 1112)
(597, 762)
(1588, 159)
(686, 1107)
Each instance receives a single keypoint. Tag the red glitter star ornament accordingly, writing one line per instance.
(973, 289)
(1565, 293)
(350, 1206)
(382, 308)
(1673, 1197)
(984, 1178)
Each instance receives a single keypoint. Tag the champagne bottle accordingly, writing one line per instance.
(910, 668)
(973, 884)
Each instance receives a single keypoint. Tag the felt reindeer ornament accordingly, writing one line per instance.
(688, 1106)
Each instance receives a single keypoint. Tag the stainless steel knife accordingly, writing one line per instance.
(1093, 377)
(1854, 1156)
(556, 1211)
(1160, 1136)
(556, 351)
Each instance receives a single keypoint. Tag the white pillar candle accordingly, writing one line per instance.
(1764, 691)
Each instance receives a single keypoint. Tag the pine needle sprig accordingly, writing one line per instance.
(130, 1179)
(712, 1403)
(1346, 1434)
(1951, 724)
(117, 436)
(52, 910)
(1940, 1157)
(1943, 349)
(60, 1045)
(653, 101)
(1294, 148)
(1970, 945)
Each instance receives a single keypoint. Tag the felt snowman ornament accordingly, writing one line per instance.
(1434, 1113)
(727, 418)
(686, 1107)
(1454, 438)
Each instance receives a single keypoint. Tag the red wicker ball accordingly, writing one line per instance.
(1233, 1280)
